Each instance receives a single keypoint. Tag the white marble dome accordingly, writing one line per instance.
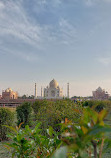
(53, 91)
(53, 84)
(8, 90)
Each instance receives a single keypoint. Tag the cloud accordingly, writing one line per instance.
(14, 22)
(18, 29)
(1, 6)
(54, 3)
(93, 2)
(105, 60)
(67, 31)
(89, 2)
(109, 1)
(25, 55)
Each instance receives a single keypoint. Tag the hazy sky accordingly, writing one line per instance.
(69, 40)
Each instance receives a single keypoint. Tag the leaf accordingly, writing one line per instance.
(102, 115)
(38, 131)
(50, 132)
(37, 139)
(37, 126)
(77, 111)
(11, 128)
(20, 125)
(27, 129)
(7, 147)
(60, 153)
(13, 154)
(101, 123)
(13, 145)
(99, 129)
(85, 130)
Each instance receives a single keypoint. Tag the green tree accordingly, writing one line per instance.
(51, 113)
(24, 114)
(6, 118)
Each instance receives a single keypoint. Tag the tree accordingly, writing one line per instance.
(6, 118)
(24, 114)
(51, 113)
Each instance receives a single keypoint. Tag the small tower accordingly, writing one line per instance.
(41, 92)
(67, 90)
(35, 91)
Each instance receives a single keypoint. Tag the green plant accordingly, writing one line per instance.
(6, 118)
(98, 104)
(50, 113)
(24, 114)
(87, 137)
(22, 146)
(80, 139)
(30, 143)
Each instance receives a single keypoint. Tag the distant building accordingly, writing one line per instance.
(53, 90)
(100, 94)
(9, 94)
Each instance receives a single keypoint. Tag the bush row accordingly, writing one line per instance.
(49, 113)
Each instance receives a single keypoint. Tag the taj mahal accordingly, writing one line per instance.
(53, 90)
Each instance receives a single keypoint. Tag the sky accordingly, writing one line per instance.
(68, 40)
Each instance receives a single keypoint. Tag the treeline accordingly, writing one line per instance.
(98, 105)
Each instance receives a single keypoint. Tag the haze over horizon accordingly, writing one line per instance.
(68, 40)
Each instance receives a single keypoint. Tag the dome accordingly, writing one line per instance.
(99, 89)
(53, 84)
(8, 90)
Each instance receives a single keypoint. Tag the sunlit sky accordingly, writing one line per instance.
(68, 40)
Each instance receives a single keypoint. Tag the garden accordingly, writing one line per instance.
(56, 129)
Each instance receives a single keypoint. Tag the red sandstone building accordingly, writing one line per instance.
(9, 94)
(100, 94)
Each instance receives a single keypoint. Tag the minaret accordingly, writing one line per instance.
(41, 92)
(35, 91)
(67, 90)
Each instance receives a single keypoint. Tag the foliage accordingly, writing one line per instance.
(98, 104)
(82, 139)
(4, 153)
(6, 118)
(39, 104)
(51, 113)
(83, 136)
(29, 143)
(24, 114)
(26, 97)
(87, 137)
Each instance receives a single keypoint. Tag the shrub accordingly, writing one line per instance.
(82, 140)
(50, 113)
(99, 105)
(37, 104)
(30, 143)
(24, 114)
(6, 118)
